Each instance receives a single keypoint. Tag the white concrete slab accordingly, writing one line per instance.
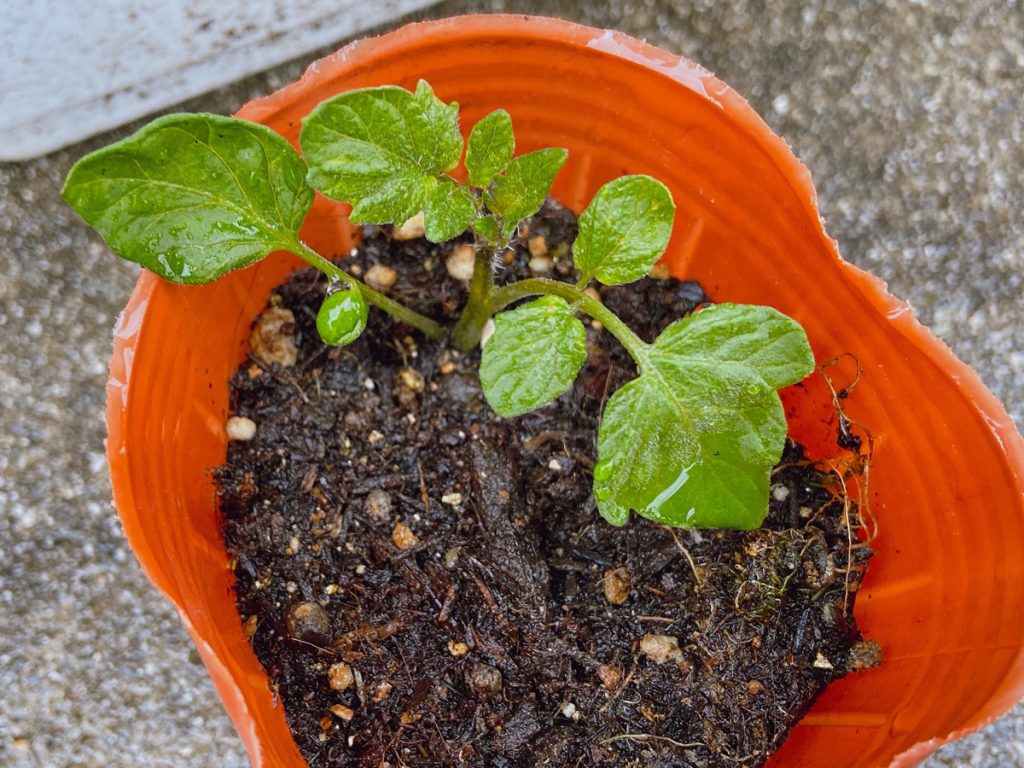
(73, 68)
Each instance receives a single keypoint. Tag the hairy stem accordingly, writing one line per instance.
(470, 326)
(538, 286)
(398, 311)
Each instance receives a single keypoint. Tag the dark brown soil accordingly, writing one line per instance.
(518, 629)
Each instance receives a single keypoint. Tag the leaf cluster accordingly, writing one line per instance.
(689, 442)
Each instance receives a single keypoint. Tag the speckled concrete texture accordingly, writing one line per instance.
(910, 118)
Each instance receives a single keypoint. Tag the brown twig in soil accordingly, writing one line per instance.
(687, 555)
(535, 442)
(492, 605)
(651, 737)
(447, 605)
(313, 645)
(424, 496)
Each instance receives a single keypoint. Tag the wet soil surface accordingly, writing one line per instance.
(428, 585)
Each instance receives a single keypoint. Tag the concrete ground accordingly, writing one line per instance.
(910, 117)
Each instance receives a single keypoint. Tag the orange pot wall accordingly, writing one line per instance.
(945, 595)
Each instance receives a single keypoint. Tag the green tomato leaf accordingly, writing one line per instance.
(487, 228)
(761, 338)
(690, 445)
(521, 191)
(624, 230)
(191, 197)
(693, 440)
(533, 356)
(490, 147)
(382, 150)
(448, 211)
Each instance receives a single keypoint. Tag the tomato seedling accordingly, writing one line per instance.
(689, 442)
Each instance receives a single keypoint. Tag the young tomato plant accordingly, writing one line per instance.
(689, 442)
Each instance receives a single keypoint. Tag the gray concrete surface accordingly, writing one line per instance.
(910, 117)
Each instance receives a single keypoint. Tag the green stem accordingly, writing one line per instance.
(470, 326)
(399, 311)
(638, 349)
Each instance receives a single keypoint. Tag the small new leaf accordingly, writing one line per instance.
(692, 441)
(448, 211)
(490, 147)
(533, 356)
(382, 149)
(624, 230)
(521, 191)
(191, 197)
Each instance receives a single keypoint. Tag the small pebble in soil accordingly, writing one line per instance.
(340, 676)
(403, 537)
(610, 676)
(342, 712)
(381, 691)
(661, 649)
(241, 428)
(272, 340)
(660, 271)
(452, 499)
(541, 265)
(616, 586)
(457, 649)
(460, 262)
(378, 506)
(309, 623)
(380, 278)
(538, 246)
(451, 557)
(412, 379)
(411, 229)
(821, 662)
(409, 718)
(484, 679)
(866, 654)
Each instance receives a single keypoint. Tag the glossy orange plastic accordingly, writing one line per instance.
(945, 594)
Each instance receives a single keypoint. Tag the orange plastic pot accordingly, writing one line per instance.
(945, 594)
